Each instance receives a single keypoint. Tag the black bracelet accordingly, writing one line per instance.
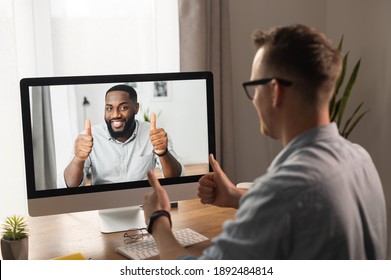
(155, 215)
(162, 154)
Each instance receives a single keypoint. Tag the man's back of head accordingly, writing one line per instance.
(305, 56)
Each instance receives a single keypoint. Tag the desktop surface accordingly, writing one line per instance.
(65, 234)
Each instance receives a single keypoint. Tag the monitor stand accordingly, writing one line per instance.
(121, 219)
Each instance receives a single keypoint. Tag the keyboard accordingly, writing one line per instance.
(147, 248)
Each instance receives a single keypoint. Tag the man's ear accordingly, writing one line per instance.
(278, 94)
(137, 107)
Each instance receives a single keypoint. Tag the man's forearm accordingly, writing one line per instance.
(171, 167)
(169, 247)
(236, 198)
(73, 174)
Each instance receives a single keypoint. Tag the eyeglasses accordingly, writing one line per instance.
(249, 87)
(135, 235)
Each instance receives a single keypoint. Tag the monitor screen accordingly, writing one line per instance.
(54, 114)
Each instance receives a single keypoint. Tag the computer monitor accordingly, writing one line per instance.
(54, 110)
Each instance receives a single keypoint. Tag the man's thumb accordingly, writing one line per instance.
(152, 121)
(88, 127)
(153, 181)
(214, 163)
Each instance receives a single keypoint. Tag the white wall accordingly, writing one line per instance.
(12, 186)
(365, 25)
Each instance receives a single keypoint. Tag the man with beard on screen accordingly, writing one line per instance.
(121, 149)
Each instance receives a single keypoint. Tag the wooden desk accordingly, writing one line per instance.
(58, 235)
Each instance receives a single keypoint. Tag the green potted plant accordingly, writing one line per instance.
(339, 101)
(146, 115)
(14, 241)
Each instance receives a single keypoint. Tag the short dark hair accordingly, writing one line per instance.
(303, 53)
(122, 87)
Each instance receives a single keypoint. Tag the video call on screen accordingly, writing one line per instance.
(58, 114)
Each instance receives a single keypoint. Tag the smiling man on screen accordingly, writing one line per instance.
(121, 149)
(321, 197)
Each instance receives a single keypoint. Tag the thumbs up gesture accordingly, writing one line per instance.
(216, 188)
(84, 143)
(158, 137)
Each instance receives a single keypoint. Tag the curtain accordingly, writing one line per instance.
(205, 46)
(43, 139)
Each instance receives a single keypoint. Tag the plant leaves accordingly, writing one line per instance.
(333, 109)
(335, 113)
(348, 90)
(346, 134)
(343, 74)
(340, 44)
(15, 228)
(352, 117)
(338, 105)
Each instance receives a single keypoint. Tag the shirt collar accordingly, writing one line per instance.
(323, 132)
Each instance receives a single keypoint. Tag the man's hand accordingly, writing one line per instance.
(156, 200)
(158, 137)
(73, 173)
(215, 188)
(84, 143)
(169, 247)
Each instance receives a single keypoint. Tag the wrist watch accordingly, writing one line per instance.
(162, 154)
(155, 215)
